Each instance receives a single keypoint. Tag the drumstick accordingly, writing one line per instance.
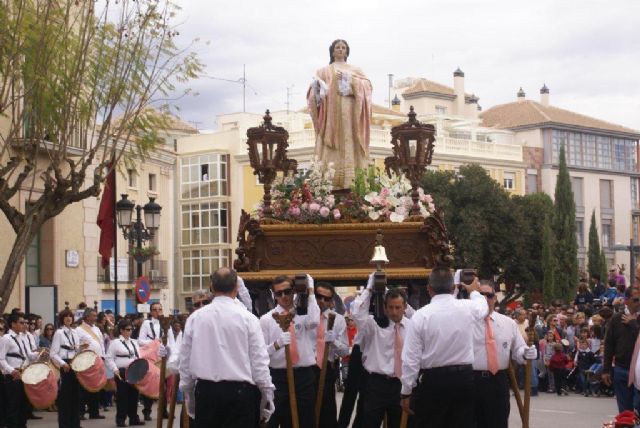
(323, 370)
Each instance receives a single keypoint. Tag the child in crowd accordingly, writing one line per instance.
(558, 367)
(584, 359)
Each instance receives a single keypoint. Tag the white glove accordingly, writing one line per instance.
(284, 339)
(163, 351)
(190, 402)
(370, 281)
(330, 336)
(530, 353)
(310, 282)
(266, 409)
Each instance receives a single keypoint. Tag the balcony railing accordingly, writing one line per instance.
(156, 270)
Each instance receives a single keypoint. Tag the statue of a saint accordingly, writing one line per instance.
(339, 100)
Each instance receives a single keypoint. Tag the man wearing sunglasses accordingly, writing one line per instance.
(496, 339)
(336, 341)
(301, 338)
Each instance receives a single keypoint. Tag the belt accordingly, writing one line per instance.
(449, 369)
(381, 375)
(224, 382)
(488, 374)
(294, 369)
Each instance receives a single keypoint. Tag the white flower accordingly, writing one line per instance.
(396, 218)
(374, 215)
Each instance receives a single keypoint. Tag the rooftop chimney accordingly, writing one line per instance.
(544, 95)
(521, 95)
(395, 103)
(458, 90)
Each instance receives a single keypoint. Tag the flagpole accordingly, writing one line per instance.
(115, 245)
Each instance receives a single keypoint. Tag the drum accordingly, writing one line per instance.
(40, 385)
(145, 376)
(90, 370)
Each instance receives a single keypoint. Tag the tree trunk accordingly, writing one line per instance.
(14, 262)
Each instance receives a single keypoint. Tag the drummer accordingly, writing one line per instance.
(64, 347)
(14, 356)
(89, 333)
(122, 352)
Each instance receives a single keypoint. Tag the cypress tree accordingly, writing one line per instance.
(564, 228)
(604, 269)
(594, 264)
(548, 265)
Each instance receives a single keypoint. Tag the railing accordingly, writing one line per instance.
(156, 270)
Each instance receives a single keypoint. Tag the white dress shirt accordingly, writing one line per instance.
(95, 340)
(305, 327)
(244, 297)
(376, 343)
(15, 344)
(509, 342)
(150, 330)
(440, 335)
(223, 342)
(64, 345)
(121, 353)
(174, 343)
(340, 346)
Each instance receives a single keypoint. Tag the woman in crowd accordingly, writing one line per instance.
(47, 336)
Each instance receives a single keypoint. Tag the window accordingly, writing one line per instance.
(204, 176)
(197, 265)
(32, 262)
(580, 232)
(577, 188)
(509, 180)
(462, 135)
(441, 110)
(604, 152)
(532, 183)
(606, 194)
(607, 238)
(152, 183)
(205, 223)
(635, 196)
(574, 157)
(591, 151)
(131, 178)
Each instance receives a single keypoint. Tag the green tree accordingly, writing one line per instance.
(564, 229)
(594, 264)
(604, 269)
(548, 262)
(68, 68)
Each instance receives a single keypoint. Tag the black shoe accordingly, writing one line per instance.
(138, 422)
(147, 417)
(34, 417)
(97, 417)
(121, 424)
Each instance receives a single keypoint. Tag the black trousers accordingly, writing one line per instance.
(16, 403)
(126, 400)
(305, 384)
(90, 401)
(147, 404)
(559, 379)
(329, 410)
(491, 399)
(3, 402)
(444, 397)
(353, 387)
(381, 396)
(227, 404)
(67, 402)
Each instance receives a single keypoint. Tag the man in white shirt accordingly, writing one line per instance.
(89, 333)
(224, 351)
(336, 341)
(381, 355)
(496, 340)
(301, 338)
(151, 330)
(438, 354)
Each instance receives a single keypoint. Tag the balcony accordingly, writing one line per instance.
(156, 270)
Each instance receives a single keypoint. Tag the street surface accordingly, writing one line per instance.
(547, 411)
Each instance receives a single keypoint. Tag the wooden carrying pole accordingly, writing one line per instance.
(284, 320)
(185, 416)
(165, 324)
(527, 377)
(172, 403)
(516, 391)
(331, 318)
(403, 419)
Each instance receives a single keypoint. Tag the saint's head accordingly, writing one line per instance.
(339, 50)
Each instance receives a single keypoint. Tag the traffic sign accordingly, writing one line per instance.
(143, 289)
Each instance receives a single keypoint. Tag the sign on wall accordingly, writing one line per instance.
(123, 269)
(72, 258)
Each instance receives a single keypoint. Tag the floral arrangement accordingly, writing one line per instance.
(307, 197)
(144, 252)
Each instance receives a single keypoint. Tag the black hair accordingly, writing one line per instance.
(124, 323)
(327, 286)
(14, 317)
(64, 314)
(394, 293)
(280, 279)
(441, 280)
(596, 276)
(224, 280)
(333, 45)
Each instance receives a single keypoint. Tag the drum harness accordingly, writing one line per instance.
(135, 351)
(20, 356)
(72, 344)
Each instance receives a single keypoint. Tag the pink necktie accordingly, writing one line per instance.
(634, 360)
(320, 341)
(397, 352)
(492, 351)
(293, 346)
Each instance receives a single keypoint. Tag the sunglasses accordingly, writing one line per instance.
(488, 294)
(325, 298)
(201, 303)
(128, 329)
(285, 292)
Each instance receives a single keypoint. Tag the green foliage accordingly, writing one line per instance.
(367, 180)
(604, 269)
(548, 262)
(593, 256)
(564, 229)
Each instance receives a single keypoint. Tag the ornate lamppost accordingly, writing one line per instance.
(268, 155)
(412, 148)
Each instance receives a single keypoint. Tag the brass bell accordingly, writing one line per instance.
(379, 255)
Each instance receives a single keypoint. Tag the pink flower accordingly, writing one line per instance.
(294, 211)
(384, 192)
(314, 207)
(336, 214)
(324, 212)
(432, 207)
(428, 198)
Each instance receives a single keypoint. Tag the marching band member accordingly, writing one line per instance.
(122, 352)
(301, 338)
(64, 346)
(151, 330)
(381, 351)
(14, 356)
(224, 354)
(336, 340)
(89, 334)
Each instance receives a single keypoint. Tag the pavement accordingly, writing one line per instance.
(547, 410)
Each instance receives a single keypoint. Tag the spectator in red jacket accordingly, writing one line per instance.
(558, 366)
